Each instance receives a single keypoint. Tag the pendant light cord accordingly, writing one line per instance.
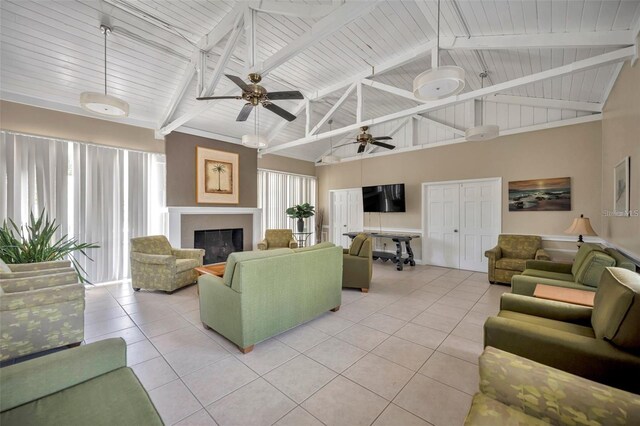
(105, 61)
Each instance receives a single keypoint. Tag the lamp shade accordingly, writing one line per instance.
(580, 226)
(254, 141)
(438, 83)
(482, 133)
(100, 103)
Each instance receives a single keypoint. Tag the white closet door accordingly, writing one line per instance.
(479, 222)
(443, 207)
(355, 220)
(346, 215)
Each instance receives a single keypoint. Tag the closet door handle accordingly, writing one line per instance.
(455, 230)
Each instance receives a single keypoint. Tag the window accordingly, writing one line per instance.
(278, 191)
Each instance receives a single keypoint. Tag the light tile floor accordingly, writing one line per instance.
(406, 353)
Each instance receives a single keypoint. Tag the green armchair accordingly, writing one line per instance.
(88, 385)
(518, 391)
(600, 343)
(41, 308)
(357, 262)
(583, 274)
(155, 265)
(509, 257)
(278, 238)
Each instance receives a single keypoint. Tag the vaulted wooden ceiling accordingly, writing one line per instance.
(549, 63)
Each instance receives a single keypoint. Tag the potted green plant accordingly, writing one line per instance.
(301, 212)
(35, 243)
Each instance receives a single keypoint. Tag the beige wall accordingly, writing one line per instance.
(45, 122)
(621, 138)
(573, 151)
(286, 164)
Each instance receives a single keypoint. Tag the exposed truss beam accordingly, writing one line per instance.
(391, 89)
(280, 125)
(359, 102)
(223, 60)
(215, 36)
(540, 41)
(307, 113)
(333, 109)
(546, 103)
(440, 125)
(320, 30)
(582, 65)
(293, 9)
(250, 37)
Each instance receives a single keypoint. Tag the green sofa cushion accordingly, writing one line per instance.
(519, 246)
(240, 256)
(115, 398)
(155, 244)
(356, 244)
(583, 251)
(548, 274)
(511, 264)
(486, 411)
(549, 323)
(622, 261)
(592, 268)
(616, 311)
(326, 244)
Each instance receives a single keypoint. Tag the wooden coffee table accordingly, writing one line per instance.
(563, 294)
(216, 269)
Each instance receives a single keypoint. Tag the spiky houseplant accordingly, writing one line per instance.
(35, 242)
(301, 212)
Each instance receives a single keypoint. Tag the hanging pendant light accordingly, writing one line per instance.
(438, 82)
(483, 132)
(331, 159)
(256, 140)
(102, 103)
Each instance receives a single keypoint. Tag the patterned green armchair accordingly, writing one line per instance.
(41, 307)
(509, 257)
(278, 238)
(155, 265)
(517, 391)
(357, 262)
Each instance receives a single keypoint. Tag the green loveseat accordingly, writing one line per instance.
(358, 263)
(88, 385)
(518, 391)
(509, 257)
(264, 293)
(600, 343)
(41, 308)
(583, 274)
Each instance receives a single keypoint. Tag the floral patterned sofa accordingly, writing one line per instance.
(510, 256)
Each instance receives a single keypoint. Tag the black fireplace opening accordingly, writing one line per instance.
(218, 244)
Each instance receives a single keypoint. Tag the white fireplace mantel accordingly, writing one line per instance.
(175, 223)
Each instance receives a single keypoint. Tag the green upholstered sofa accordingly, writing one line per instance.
(41, 307)
(264, 293)
(600, 343)
(583, 274)
(278, 238)
(88, 385)
(509, 257)
(518, 391)
(358, 263)
(155, 265)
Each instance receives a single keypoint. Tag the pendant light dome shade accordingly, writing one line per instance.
(438, 83)
(100, 103)
(254, 141)
(330, 159)
(482, 133)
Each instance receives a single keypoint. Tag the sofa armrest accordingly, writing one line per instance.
(263, 245)
(153, 259)
(41, 297)
(293, 243)
(18, 285)
(594, 359)
(541, 254)
(550, 309)
(494, 254)
(39, 377)
(196, 254)
(38, 266)
(548, 393)
(35, 273)
(546, 265)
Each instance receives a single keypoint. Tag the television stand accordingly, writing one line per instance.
(396, 238)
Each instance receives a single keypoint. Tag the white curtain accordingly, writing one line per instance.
(278, 191)
(97, 194)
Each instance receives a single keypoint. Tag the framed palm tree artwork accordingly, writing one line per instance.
(217, 176)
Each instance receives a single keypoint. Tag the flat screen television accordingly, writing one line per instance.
(384, 198)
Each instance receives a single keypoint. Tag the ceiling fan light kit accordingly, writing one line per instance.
(331, 159)
(482, 133)
(102, 103)
(438, 83)
(254, 141)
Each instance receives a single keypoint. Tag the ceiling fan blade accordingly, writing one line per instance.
(279, 96)
(383, 138)
(277, 110)
(244, 112)
(382, 144)
(209, 98)
(360, 149)
(345, 144)
(239, 82)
